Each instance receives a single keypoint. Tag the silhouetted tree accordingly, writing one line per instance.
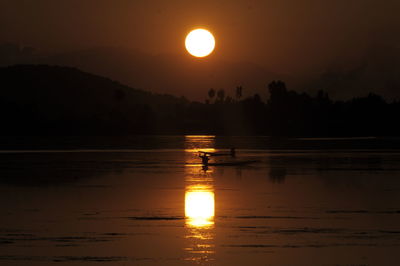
(239, 92)
(257, 98)
(277, 91)
(211, 93)
(221, 95)
(322, 98)
(30, 106)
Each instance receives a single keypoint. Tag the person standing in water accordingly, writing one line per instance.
(204, 159)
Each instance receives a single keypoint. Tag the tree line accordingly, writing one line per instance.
(45, 100)
(291, 113)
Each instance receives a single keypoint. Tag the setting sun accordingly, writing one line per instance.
(200, 43)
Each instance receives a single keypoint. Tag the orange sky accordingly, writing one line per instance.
(288, 37)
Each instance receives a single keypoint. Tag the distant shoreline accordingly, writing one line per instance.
(180, 142)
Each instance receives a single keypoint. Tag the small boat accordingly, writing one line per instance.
(216, 153)
(205, 157)
(232, 163)
(231, 153)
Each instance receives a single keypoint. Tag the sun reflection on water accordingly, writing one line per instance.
(199, 206)
(199, 202)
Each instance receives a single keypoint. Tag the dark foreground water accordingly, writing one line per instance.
(156, 205)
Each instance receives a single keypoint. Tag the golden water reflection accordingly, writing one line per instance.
(199, 206)
(199, 202)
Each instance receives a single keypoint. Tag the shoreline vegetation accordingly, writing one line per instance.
(43, 100)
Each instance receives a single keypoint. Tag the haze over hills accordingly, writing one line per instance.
(181, 75)
(346, 49)
(39, 100)
(378, 71)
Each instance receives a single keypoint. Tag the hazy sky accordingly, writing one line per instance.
(282, 34)
(288, 37)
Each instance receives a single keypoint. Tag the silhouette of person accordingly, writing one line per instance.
(204, 159)
(204, 168)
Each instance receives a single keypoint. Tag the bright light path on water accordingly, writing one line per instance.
(200, 207)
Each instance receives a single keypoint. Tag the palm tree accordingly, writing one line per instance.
(221, 95)
(239, 92)
(211, 94)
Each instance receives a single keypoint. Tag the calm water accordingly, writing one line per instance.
(159, 206)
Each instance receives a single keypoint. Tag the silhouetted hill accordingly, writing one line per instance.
(41, 99)
(377, 71)
(178, 74)
(49, 100)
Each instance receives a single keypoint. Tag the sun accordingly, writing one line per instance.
(200, 43)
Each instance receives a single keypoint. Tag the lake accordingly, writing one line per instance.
(149, 201)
